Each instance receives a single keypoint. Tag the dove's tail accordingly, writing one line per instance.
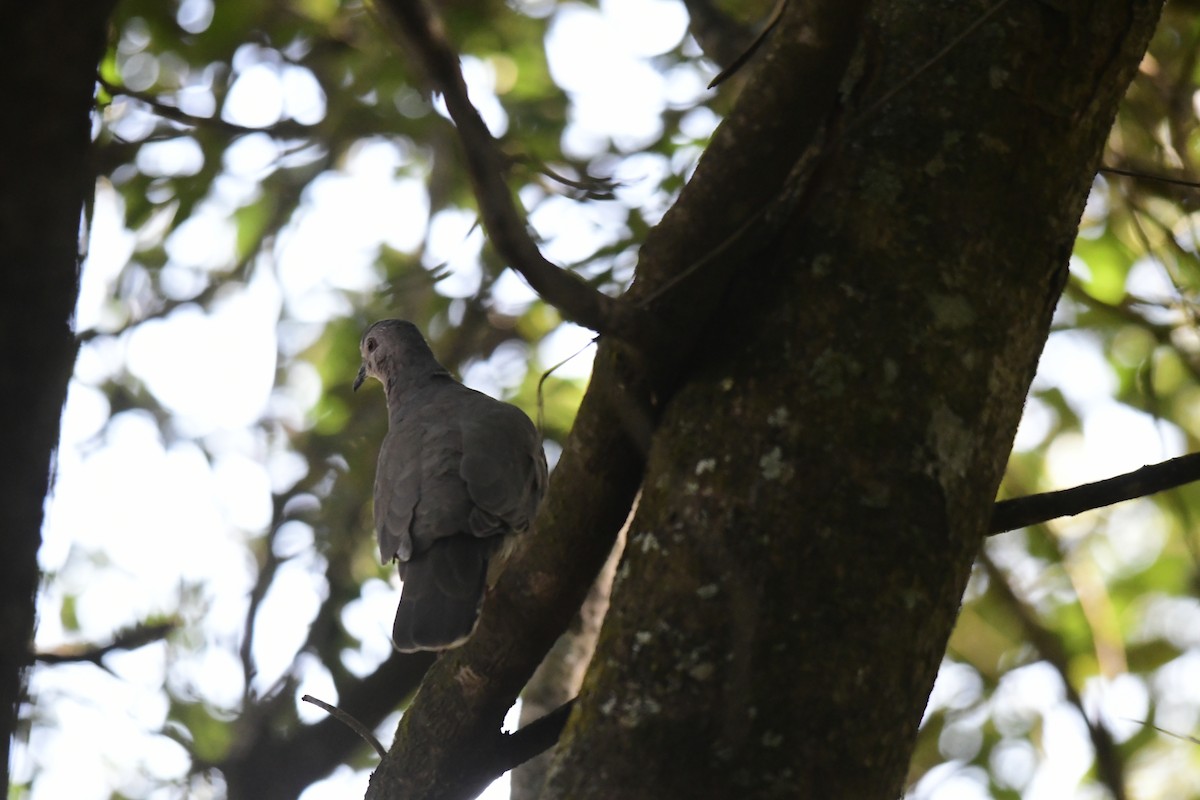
(443, 588)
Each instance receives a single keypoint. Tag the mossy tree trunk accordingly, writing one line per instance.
(819, 486)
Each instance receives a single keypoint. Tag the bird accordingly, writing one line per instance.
(460, 474)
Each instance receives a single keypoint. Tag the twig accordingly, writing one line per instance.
(1020, 512)
(1130, 173)
(720, 36)
(285, 129)
(1182, 736)
(570, 294)
(752, 48)
(258, 593)
(591, 186)
(541, 406)
(128, 639)
(349, 721)
(280, 761)
(240, 271)
(164, 310)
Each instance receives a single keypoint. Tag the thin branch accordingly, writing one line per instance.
(592, 186)
(541, 406)
(753, 47)
(1130, 173)
(239, 271)
(1128, 310)
(486, 164)
(164, 309)
(285, 129)
(534, 739)
(280, 761)
(1181, 736)
(128, 639)
(722, 38)
(350, 722)
(1021, 512)
(262, 582)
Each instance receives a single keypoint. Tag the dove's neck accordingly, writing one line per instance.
(406, 385)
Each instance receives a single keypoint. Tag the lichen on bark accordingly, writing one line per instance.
(819, 485)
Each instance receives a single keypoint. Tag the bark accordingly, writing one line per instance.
(819, 486)
(558, 678)
(50, 51)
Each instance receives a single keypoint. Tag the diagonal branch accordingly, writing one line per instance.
(753, 47)
(1023, 511)
(350, 721)
(722, 38)
(425, 40)
(277, 763)
(535, 738)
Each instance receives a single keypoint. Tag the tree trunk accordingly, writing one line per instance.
(50, 51)
(560, 675)
(819, 486)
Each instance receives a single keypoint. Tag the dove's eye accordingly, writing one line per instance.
(370, 345)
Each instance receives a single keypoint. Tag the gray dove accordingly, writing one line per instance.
(459, 474)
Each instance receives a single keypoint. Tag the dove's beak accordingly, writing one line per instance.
(362, 376)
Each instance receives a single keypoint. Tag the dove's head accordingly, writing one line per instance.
(392, 350)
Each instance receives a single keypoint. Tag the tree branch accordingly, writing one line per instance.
(285, 129)
(535, 738)
(753, 47)
(1148, 176)
(1021, 512)
(262, 584)
(559, 677)
(722, 38)
(279, 764)
(424, 36)
(349, 721)
(128, 639)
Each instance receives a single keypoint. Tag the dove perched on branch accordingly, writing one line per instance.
(459, 475)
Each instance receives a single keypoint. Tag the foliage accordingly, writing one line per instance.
(232, 137)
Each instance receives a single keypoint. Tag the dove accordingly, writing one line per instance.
(460, 475)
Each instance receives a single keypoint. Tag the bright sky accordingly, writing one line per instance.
(137, 522)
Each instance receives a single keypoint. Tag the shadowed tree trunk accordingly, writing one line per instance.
(49, 51)
(797, 559)
(560, 675)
